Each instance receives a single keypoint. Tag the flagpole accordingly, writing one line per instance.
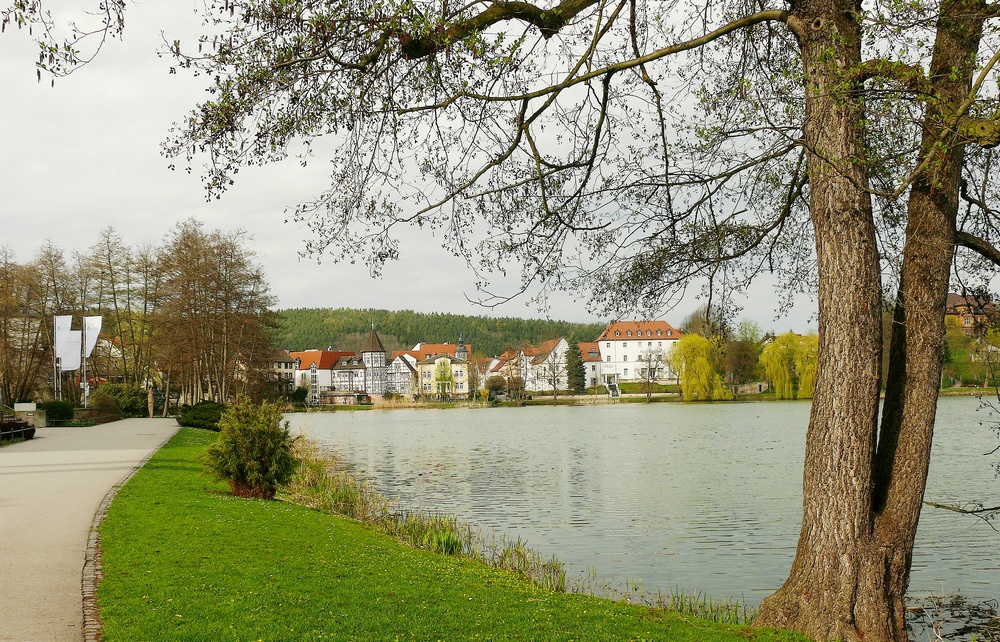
(83, 351)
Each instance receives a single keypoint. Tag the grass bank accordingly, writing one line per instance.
(183, 560)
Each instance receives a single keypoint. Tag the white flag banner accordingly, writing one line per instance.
(70, 353)
(61, 325)
(91, 330)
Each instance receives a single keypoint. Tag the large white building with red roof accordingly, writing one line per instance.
(630, 349)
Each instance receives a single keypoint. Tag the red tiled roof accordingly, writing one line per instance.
(639, 329)
(503, 360)
(590, 350)
(324, 359)
(544, 349)
(423, 350)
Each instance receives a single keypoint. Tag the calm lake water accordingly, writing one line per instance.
(698, 497)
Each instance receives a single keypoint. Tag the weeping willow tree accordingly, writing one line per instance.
(806, 358)
(695, 360)
(778, 360)
(789, 363)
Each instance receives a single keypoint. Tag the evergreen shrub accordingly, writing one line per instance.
(254, 452)
(204, 414)
(57, 411)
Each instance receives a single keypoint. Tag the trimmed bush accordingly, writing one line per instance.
(254, 450)
(204, 414)
(57, 411)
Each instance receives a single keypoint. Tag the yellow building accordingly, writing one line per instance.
(443, 376)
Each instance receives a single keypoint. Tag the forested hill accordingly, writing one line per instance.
(346, 329)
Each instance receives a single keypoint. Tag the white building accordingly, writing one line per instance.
(631, 349)
(544, 365)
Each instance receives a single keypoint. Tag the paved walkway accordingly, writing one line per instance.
(50, 489)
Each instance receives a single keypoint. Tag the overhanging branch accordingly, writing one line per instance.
(979, 246)
(913, 78)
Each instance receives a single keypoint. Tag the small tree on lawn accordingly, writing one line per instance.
(254, 450)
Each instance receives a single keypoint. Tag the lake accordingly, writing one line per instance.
(700, 497)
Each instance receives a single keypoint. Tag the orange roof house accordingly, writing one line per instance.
(624, 330)
(324, 359)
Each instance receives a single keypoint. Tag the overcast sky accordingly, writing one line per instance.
(86, 154)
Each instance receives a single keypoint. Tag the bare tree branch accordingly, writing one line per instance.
(978, 245)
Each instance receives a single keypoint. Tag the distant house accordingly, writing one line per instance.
(631, 348)
(544, 365)
(969, 312)
(590, 352)
(281, 373)
(507, 365)
(314, 370)
(444, 376)
(349, 374)
(401, 374)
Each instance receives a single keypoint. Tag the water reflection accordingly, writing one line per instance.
(702, 497)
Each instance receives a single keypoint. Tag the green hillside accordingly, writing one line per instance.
(346, 329)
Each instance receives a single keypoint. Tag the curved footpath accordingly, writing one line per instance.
(51, 488)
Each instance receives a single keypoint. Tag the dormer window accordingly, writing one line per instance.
(629, 333)
(617, 333)
(659, 332)
(649, 333)
(669, 332)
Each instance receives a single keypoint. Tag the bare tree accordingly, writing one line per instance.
(651, 361)
(214, 318)
(22, 330)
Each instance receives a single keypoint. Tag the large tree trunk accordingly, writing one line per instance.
(914, 374)
(826, 596)
(862, 505)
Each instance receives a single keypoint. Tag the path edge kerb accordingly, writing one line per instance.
(92, 568)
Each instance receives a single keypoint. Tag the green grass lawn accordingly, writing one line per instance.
(183, 560)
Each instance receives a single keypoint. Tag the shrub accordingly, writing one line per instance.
(104, 402)
(254, 450)
(57, 411)
(299, 394)
(204, 414)
(131, 399)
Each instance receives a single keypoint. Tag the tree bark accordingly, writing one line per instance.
(862, 503)
(826, 596)
(918, 329)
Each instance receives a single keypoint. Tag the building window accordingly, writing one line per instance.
(649, 344)
(668, 333)
(624, 344)
(625, 358)
(625, 372)
(609, 344)
(617, 333)
(609, 357)
(629, 333)
(659, 344)
(648, 333)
